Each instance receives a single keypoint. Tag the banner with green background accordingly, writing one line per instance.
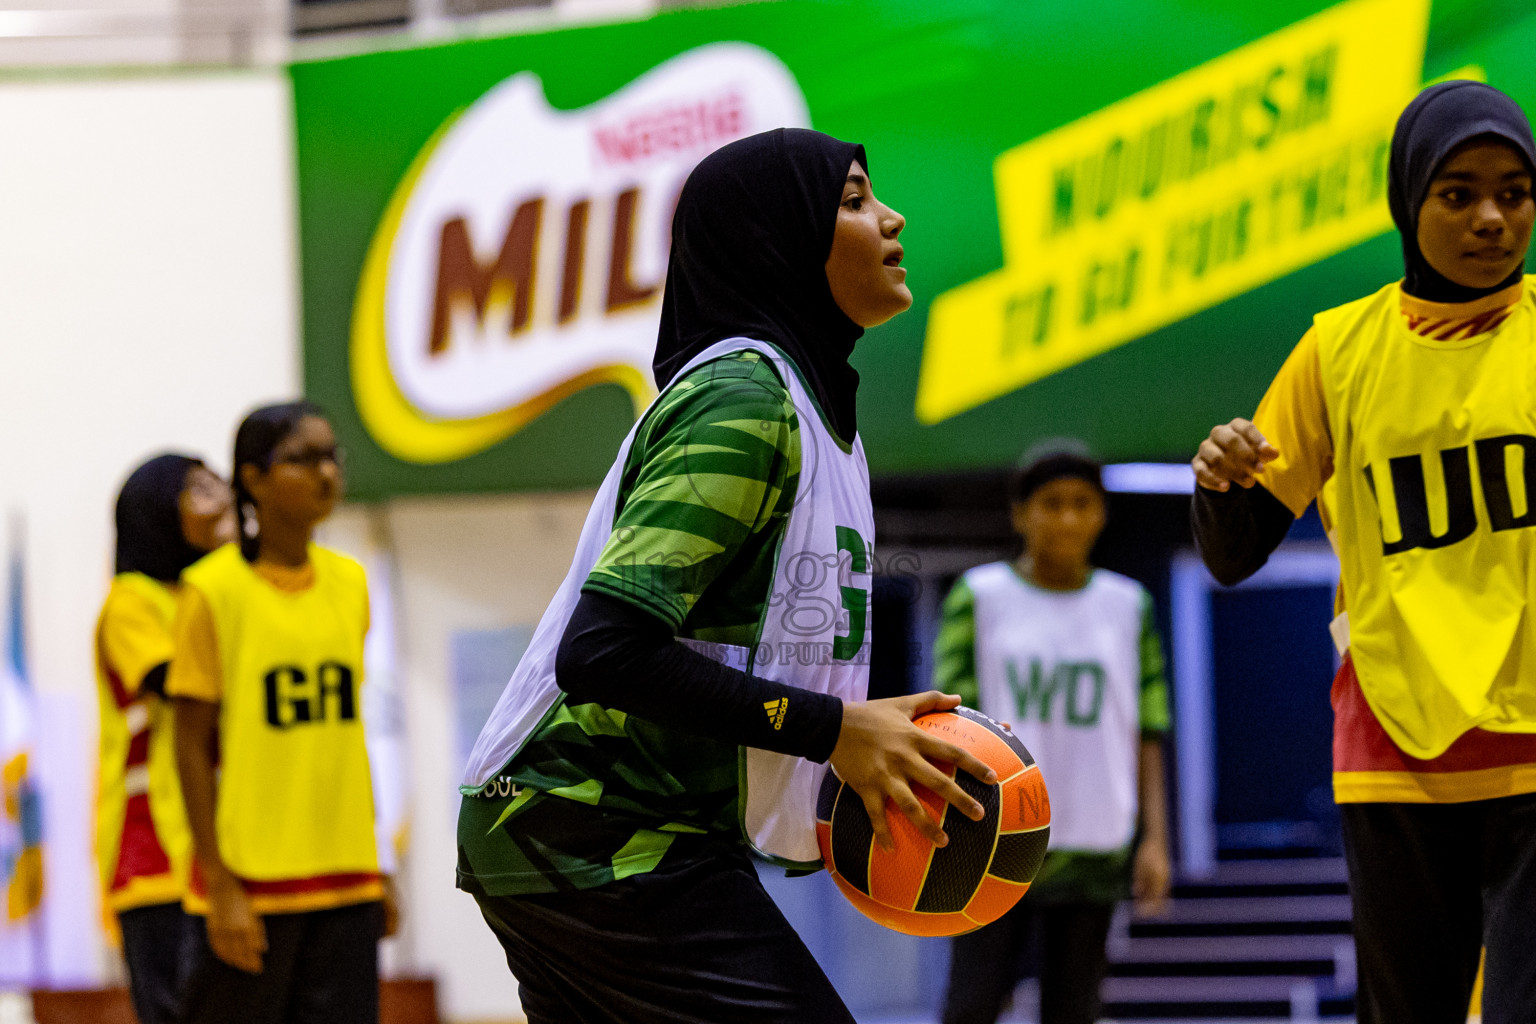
(1120, 217)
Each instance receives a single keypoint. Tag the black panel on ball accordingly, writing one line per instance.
(852, 835)
(826, 796)
(1019, 855)
(957, 869)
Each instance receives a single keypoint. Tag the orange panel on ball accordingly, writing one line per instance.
(896, 878)
(906, 921)
(1025, 803)
(986, 745)
(994, 898)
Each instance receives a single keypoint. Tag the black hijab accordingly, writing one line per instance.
(1438, 120)
(149, 537)
(750, 240)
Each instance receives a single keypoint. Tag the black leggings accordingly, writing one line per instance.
(697, 941)
(321, 967)
(156, 943)
(1432, 884)
(985, 965)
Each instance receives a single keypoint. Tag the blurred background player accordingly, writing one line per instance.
(1418, 403)
(604, 814)
(171, 511)
(267, 682)
(1068, 654)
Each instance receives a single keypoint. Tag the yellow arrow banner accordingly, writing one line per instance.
(1226, 177)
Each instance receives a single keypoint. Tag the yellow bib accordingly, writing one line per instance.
(1435, 469)
(295, 795)
(163, 784)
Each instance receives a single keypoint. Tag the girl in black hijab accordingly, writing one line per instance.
(1438, 121)
(1434, 718)
(749, 249)
(151, 533)
(172, 510)
(604, 827)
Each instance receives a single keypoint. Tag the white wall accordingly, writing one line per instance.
(147, 300)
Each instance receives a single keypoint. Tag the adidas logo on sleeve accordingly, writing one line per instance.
(776, 710)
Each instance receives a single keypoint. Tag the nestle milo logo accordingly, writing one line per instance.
(521, 259)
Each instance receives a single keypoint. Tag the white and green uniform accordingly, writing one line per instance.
(1079, 675)
(735, 515)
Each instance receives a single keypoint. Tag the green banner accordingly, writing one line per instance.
(1120, 217)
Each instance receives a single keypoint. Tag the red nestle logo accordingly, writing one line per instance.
(677, 127)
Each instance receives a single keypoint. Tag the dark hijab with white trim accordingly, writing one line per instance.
(1438, 120)
(750, 241)
(149, 536)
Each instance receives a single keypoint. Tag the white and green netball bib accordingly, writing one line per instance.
(1064, 669)
(814, 633)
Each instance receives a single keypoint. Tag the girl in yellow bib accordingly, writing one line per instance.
(268, 687)
(1417, 406)
(171, 511)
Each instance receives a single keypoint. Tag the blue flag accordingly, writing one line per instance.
(21, 818)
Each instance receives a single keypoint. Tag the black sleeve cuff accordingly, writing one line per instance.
(154, 680)
(616, 655)
(1237, 530)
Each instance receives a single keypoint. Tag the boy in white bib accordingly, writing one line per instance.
(1068, 655)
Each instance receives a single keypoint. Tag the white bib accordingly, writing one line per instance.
(1064, 669)
(815, 631)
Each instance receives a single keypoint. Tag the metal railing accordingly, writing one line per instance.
(82, 34)
(169, 32)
